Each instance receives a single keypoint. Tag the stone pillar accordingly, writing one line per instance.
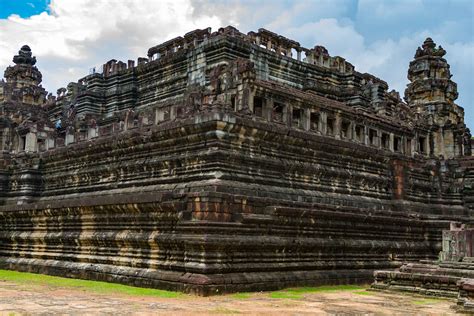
(307, 118)
(390, 143)
(50, 143)
(323, 123)
(337, 126)
(269, 45)
(91, 132)
(69, 138)
(31, 142)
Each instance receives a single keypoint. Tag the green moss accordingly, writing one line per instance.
(99, 287)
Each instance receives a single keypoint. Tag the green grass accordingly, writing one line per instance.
(427, 301)
(96, 286)
(241, 296)
(364, 293)
(286, 294)
(297, 293)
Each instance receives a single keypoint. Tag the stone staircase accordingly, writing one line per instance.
(445, 278)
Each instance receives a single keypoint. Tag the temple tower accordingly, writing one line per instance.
(24, 125)
(432, 93)
(23, 80)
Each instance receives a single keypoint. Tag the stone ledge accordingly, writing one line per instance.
(198, 284)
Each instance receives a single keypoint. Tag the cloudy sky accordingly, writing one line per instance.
(71, 36)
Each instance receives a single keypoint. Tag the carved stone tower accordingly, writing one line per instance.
(23, 80)
(431, 93)
(24, 123)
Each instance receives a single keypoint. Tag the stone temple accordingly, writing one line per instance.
(227, 162)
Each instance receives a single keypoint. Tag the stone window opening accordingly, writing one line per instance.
(397, 141)
(277, 113)
(330, 125)
(233, 103)
(166, 113)
(409, 146)
(297, 118)
(359, 133)
(314, 121)
(373, 137)
(385, 140)
(294, 54)
(41, 144)
(180, 112)
(345, 129)
(22, 144)
(258, 106)
(421, 145)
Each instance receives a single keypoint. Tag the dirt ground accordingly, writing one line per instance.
(33, 299)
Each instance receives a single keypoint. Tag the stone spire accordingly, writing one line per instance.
(24, 57)
(23, 79)
(432, 93)
(430, 77)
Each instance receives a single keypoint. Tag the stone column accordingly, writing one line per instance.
(391, 142)
(337, 126)
(30, 142)
(307, 118)
(323, 123)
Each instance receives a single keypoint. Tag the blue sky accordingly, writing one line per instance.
(22, 8)
(377, 36)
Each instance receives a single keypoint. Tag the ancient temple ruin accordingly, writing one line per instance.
(226, 162)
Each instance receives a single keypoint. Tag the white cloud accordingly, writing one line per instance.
(78, 35)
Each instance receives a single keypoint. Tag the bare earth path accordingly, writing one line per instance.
(38, 299)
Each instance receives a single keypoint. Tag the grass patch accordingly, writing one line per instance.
(297, 293)
(286, 294)
(241, 296)
(95, 286)
(364, 293)
(427, 301)
(326, 288)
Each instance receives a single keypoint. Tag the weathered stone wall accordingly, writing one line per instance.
(222, 165)
(212, 201)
